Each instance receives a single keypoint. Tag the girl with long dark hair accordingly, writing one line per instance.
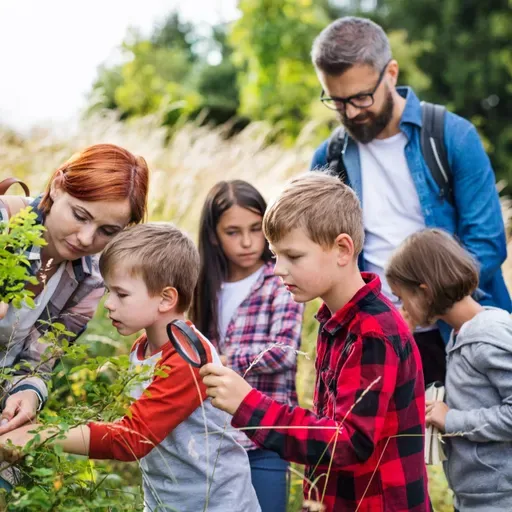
(248, 314)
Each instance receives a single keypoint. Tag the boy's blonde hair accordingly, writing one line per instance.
(320, 204)
(434, 258)
(159, 253)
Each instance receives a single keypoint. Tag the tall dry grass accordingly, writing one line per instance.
(183, 170)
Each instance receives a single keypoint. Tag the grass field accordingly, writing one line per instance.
(182, 172)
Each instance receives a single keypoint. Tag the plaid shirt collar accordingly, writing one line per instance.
(268, 271)
(81, 268)
(332, 323)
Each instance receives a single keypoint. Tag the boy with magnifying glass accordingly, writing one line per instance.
(150, 272)
(362, 444)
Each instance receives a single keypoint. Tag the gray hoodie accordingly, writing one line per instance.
(479, 393)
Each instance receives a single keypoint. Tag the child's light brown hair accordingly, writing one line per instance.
(321, 205)
(432, 257)
(159, 253)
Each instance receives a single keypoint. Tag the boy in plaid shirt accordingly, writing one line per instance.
(363, 442)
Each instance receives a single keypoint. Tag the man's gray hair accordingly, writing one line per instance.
(348, 41)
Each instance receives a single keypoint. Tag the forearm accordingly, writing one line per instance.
(484, 424)
(349, 434)
(76, 440)
(493, 424)
(480, 222)
(300, 436)
(490, 252)
(34, 365)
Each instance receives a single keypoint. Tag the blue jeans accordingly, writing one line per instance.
(269, 474)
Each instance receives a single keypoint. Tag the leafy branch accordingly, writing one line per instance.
(17, 236)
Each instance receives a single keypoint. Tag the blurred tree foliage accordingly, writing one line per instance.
(170, 72)
(455, 52)
(273, 41)
(469, 62)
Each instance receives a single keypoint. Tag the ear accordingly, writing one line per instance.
(345, 248)
(168, 299)
(426, 291)
(393, 72)
(56, 185)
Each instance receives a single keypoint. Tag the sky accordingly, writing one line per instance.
(50, 49)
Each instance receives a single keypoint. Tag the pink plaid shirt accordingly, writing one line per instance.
(265, 328)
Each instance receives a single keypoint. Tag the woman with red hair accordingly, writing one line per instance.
(88, 200)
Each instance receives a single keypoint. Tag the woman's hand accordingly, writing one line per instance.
(20, 408)
(436, 414)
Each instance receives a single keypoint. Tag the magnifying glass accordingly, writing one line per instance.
(187, 343)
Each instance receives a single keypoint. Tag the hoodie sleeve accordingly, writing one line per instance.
(493, 423)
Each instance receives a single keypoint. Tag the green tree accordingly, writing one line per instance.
(103, 94)
(174, 33)
(170, 72)
(217, 81)
(470, 62)
(155, 78)
(272, 41)
(155, 75)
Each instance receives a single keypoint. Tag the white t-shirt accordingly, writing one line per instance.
(231, 295)
(391, 206)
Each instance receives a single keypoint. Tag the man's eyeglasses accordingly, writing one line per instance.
(364, 100)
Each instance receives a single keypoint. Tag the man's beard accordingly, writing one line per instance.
(367, 131)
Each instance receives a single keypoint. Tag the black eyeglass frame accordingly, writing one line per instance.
(350, 99)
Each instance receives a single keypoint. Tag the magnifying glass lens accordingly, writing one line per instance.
(186, 345)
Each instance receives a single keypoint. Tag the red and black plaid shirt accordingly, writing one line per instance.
(367, 428)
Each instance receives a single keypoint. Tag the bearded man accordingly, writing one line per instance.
(381, 155)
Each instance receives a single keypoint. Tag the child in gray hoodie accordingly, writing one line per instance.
(435, 279)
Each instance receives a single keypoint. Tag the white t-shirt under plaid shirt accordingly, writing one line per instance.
(265, 326)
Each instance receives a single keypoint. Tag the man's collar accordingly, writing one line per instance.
(412, 109)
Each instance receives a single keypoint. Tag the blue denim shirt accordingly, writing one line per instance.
(475, 218)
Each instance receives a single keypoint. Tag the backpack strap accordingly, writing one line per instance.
(13, 204)
(8, 182)
(336, 147)
(432, 146)
(434, 149)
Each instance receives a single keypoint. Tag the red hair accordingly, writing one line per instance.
(104, 172)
